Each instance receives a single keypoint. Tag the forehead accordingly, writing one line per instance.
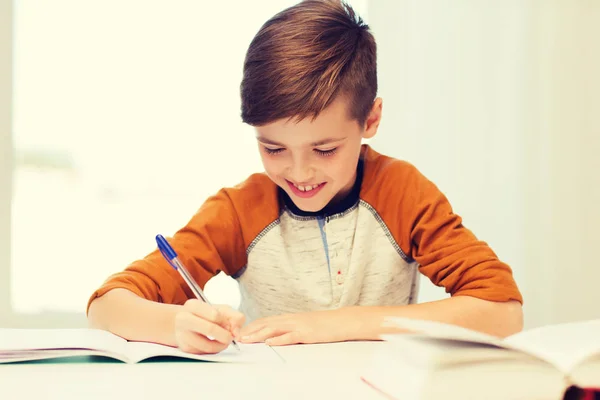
(333, 123)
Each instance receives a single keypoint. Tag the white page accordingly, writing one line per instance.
(441, 330)
(445, 333)
(40, 339)
(249, 353)
(565, 345)
(433, 352)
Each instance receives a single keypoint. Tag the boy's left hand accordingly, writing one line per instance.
(309, 327)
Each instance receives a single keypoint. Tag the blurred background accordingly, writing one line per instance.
(118, 118)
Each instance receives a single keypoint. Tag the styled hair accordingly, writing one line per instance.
(303, 58)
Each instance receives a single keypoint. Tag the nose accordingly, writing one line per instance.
(301, 172)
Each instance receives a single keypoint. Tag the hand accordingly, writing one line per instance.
(310, 327)
(202, 328)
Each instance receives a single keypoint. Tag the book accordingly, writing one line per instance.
(436, 360)
(17, 345)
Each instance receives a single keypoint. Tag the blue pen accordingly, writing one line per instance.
(171, 256)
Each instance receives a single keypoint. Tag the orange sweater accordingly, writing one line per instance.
(368, 250)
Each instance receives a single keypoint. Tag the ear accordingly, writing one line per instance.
(373, 119)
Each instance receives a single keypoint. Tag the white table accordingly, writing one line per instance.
(320, 371)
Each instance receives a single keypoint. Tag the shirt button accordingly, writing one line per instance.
(339, 279)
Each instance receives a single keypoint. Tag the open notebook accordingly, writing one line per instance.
(37, 344)
(438, 360)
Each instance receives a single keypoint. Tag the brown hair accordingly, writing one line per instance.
(303, 58)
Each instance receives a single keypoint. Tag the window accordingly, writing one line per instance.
(125, 118)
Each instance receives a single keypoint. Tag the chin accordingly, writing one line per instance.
(309, 209)
(309, 206)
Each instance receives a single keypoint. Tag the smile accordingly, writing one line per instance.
(305, 191)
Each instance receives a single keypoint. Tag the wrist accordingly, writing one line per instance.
(167, 328)
(361, 322)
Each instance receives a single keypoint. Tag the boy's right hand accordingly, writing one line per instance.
(202, 328)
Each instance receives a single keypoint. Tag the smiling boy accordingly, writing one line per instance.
(333, 236)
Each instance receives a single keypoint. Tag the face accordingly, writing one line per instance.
(315, 161)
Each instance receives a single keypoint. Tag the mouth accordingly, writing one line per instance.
(306, 191)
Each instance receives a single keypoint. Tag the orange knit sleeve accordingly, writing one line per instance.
(423, 224)
(211, 242)
(450, 254)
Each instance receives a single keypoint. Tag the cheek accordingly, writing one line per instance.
(341, 175)
(272, 167)
(342, 169)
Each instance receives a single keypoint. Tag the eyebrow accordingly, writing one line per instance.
(314, 144)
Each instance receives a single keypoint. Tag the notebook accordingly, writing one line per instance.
(38, 344)
(438, 360)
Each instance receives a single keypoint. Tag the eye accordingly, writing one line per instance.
(326, 153)
(273, 151)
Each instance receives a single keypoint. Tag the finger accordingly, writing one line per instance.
(283, 319)
(254, 327)
(283, 340)
(191, 342)
(191, 322)
(236, 319)
(206, 311)
(262, 335)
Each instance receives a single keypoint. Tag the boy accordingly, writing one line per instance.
(332, 237)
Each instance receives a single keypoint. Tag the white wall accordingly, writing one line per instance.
(497, 102)
(564, 88)
(5, 147)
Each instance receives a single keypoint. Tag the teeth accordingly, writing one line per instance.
(306, 188)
